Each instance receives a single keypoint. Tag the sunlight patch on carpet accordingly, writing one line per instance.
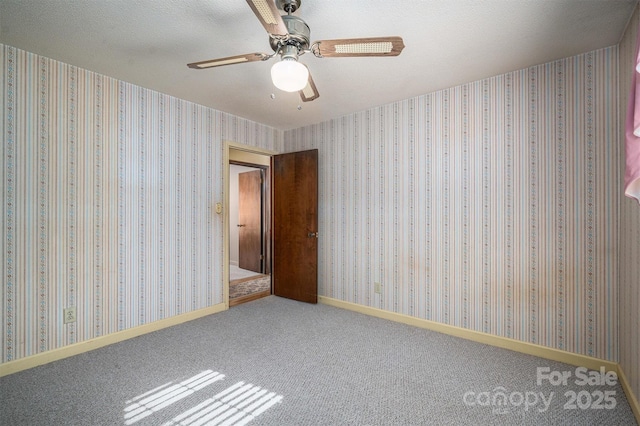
(234, 406)
(237, 405)
(163, 396)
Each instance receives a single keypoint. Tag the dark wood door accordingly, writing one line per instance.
(295, 225)
(250, 220)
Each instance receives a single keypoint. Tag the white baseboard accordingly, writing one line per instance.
(477, 336)
(631, 397)
(501, 342)
(99, 342)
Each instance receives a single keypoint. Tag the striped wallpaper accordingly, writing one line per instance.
(490, 206)
(107, 195)
(629, 231)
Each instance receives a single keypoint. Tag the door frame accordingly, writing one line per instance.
(227, 146)
(265, 213)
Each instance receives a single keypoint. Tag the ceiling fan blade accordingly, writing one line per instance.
(229, 60)
(350, 47)
(269, 17)
(309, 92)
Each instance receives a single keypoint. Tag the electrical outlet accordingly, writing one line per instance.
(70, 315)
(377, 288)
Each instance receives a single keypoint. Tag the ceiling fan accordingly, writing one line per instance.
(289, 38)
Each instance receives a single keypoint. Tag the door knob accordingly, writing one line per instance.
(240, 226)
(312, 234)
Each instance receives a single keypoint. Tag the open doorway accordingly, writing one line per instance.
(248, 226)
(289, 220)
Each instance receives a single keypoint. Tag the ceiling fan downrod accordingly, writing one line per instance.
(289, 6)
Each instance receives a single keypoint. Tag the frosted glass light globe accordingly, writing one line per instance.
(289, 75)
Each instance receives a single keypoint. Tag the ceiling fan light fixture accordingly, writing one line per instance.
(289, 75)
(289, 37)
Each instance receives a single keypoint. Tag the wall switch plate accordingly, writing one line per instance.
(70, 315)
(377, 288)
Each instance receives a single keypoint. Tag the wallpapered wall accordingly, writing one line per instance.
(490, 206)
(629, 230)
(107, 194)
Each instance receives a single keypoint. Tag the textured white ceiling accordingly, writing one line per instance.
(448, 42)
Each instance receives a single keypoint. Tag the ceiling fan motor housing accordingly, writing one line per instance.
(299, 34)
